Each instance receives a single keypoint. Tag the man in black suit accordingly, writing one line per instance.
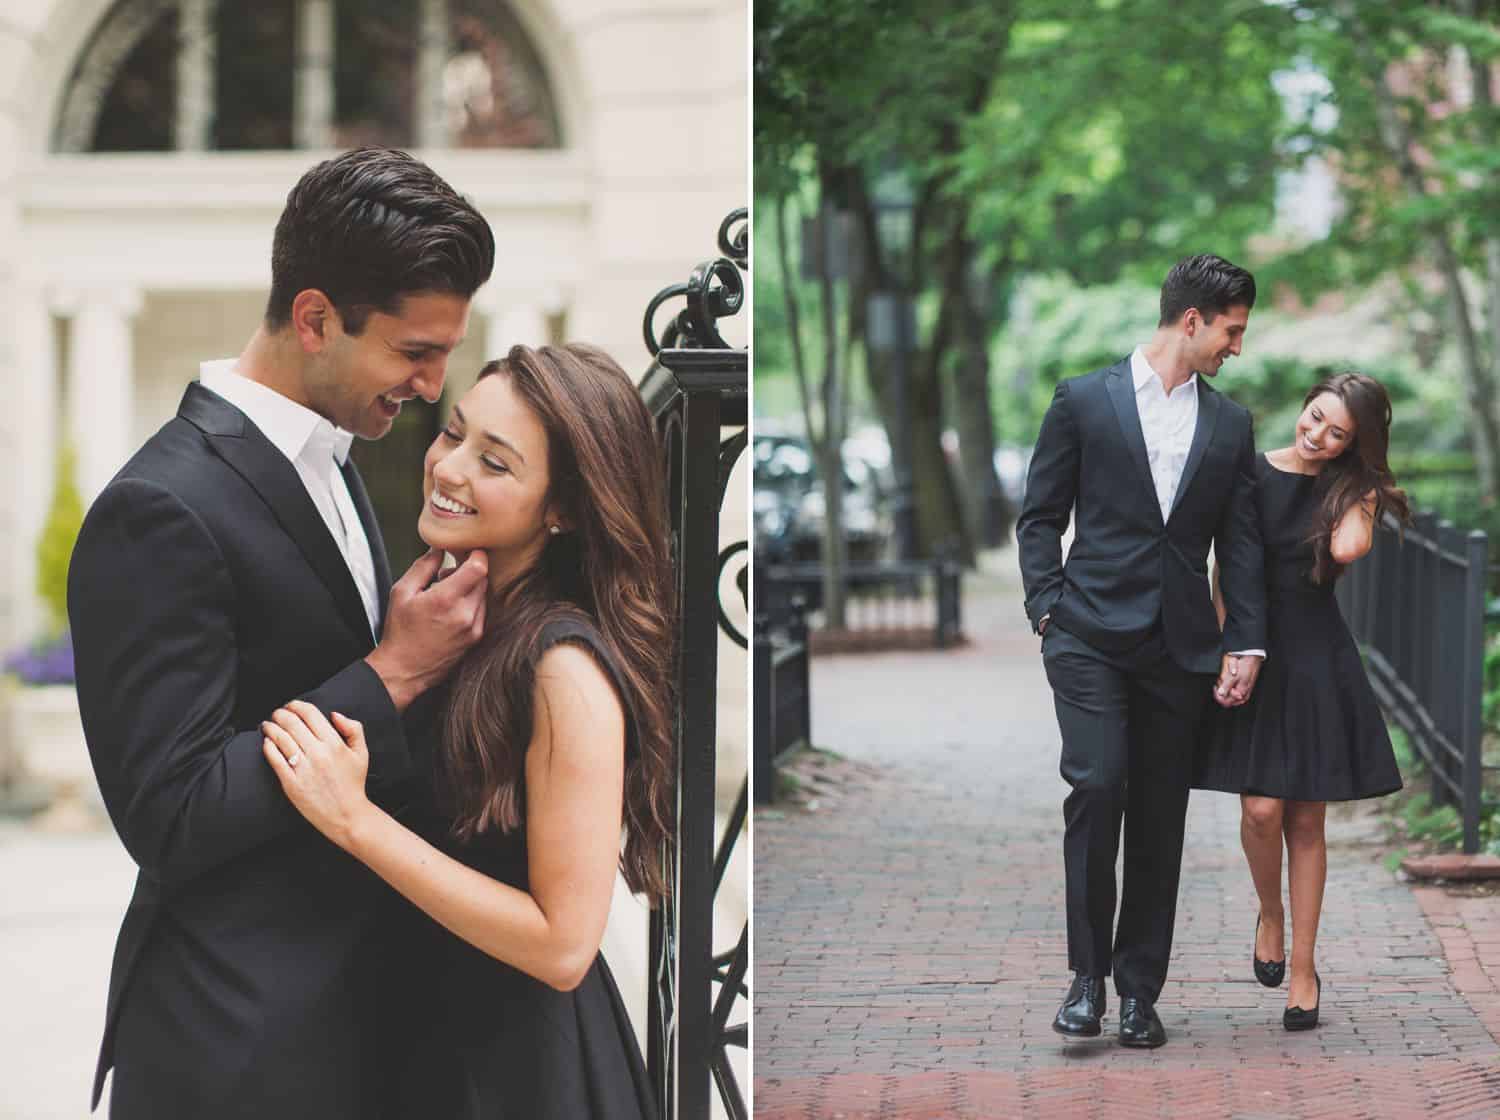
(1153, 465)
(233, 565)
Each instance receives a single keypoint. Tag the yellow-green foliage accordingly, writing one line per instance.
(54, 549)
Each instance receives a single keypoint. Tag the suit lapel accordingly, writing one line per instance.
(1203, 434)
(372, 534)
(271, 475)
(1122, 396)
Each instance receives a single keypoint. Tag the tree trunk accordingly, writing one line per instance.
(829, 450)
(986, 511)
(943, 519)
(1479, 82)
(1479, 383)
(834, 548)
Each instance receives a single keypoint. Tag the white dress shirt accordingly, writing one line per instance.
(1168, 421)
(317, 450)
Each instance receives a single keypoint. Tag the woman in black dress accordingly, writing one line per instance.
(553, 738)
(1311, 731)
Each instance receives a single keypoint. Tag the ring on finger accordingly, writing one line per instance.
(294, 758)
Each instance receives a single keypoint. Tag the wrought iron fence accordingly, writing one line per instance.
(697, 387)
(1417, 605)
(783, 698)
(886, 604)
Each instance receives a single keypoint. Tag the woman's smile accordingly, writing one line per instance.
(444, 506)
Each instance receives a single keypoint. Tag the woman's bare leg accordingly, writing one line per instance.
(1260, 834)
(1307, 870)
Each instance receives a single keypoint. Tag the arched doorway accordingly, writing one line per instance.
(235, 75)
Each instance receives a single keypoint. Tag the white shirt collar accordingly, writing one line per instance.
(1141, 373)
(290, 426)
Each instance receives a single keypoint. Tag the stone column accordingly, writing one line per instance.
(36, 404)
(312, 98)
(508, 322)
(100, 389)
(197, 44)
(505, 318)
(432, 57)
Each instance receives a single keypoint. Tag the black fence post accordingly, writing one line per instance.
(947, 573)
(1386, 574)
(1471, 737)
(797, 633)
(697, 386)
(796, 620)
(764, 702)
(1428, 637)
(1450, 667)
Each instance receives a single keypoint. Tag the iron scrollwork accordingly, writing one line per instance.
(698, 386)
(715, 290)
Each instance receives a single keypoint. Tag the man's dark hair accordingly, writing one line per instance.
(370, 226)
(1209, 283)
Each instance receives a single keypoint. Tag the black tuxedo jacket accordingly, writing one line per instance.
(204, 591)
(1127, 570)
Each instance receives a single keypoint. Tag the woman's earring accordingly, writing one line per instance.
(554, 530)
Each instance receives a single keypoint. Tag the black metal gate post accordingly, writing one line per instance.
(697, 386)
(763, 702)
(1471, 727)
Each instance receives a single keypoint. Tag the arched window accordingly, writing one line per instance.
(235, 75)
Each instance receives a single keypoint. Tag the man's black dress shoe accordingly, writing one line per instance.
(1297, 1019)
(1139, 1025)
(1269, 973)
(1082, 1008)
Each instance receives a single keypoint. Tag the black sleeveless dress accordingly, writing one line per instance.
(492, 1043)
(1312, 729)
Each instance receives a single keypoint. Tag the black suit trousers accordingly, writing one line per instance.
(1128, 721)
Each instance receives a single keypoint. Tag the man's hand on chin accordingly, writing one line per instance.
(430, 624)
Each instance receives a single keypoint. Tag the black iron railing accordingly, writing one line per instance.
(783, 697)
(895, 600)
(697, 387)
(1417, 605)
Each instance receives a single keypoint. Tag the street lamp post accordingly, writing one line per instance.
(892, 328)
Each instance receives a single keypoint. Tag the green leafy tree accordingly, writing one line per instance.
(1037, 140)
(1409, 120)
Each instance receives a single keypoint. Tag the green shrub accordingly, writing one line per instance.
(1406, 758)
(54, 548)
(1492, 682)
(1442, 826)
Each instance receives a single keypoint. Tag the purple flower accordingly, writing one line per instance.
(48, 661)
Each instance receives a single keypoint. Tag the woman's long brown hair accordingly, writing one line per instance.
(1362, 468)
(612, 569)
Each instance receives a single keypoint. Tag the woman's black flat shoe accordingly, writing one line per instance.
(1297, 1019)
(1269, 973)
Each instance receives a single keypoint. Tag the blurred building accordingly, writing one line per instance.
(147, 146)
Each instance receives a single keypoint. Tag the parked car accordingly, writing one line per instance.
(1011, 465)
(789, 508)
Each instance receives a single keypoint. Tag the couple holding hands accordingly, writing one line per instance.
(378, 825)
(1155, 695)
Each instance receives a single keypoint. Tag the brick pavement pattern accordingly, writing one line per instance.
(910, 942)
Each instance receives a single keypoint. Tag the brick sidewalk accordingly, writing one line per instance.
(909, 937)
